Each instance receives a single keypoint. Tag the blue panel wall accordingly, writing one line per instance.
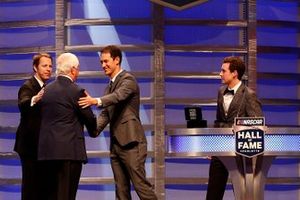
(185, 62)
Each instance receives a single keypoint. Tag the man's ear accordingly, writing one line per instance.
(73, 70)
(118, 59)
(34, 68)
(235, 73)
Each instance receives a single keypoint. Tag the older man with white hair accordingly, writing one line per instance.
(61, 147)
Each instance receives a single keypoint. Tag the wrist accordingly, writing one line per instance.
(94, 101)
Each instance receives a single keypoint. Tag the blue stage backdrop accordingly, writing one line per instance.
(195, 41)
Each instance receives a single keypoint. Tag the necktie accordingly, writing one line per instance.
(227, 91)
(110, 85)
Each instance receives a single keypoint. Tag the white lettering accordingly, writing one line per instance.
(249, 135)
(251, 122)
(249, 145)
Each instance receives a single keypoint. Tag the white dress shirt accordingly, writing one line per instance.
(228, 97)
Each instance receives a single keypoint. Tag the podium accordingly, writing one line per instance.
(248, 175)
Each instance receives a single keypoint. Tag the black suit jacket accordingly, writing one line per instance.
(121, 109)
(243, 104)
(28, 130)
(61, 133)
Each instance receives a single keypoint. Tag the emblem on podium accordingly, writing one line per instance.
(249, 136)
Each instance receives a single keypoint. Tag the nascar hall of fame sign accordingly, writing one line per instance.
(249, 136)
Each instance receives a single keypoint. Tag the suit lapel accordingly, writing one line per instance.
(109, 90)
(118, 78)
(221, 101)
(236, 101)
(35, 84)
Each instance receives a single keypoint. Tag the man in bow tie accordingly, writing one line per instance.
(234, 100)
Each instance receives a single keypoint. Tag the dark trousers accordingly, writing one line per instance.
(30, 179)
(128, 164)
(61, 179)
(218, 176)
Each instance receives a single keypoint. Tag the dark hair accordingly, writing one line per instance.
(114, 52)
(36, 59)
(235, 63)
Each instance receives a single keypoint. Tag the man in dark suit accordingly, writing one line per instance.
(234, 100)
(61, 147)
(128, 149)
(26, 143)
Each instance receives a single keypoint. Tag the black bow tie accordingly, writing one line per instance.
(227, 91)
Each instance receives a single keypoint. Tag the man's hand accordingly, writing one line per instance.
(38, 96)
(87, 100)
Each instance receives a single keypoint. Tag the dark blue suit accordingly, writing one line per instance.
(61, 143)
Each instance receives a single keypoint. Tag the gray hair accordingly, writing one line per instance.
(65, 62)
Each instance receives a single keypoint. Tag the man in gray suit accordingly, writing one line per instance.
(234, 100)
(128, 149)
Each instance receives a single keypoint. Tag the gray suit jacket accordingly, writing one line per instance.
(121, 105)
(244, 104)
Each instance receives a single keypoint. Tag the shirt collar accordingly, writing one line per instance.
(114, 78)
(67, 77)
(236, 87)
(41, 83)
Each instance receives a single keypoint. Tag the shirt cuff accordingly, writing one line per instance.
(32, 103)
(99, 102)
